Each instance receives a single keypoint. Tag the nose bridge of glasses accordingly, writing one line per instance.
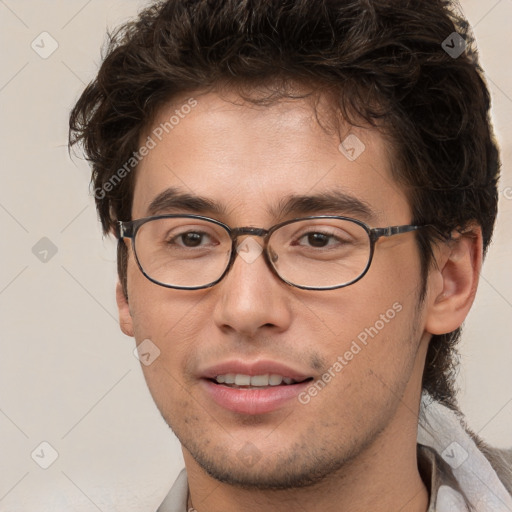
(249, 249)
(236, 232)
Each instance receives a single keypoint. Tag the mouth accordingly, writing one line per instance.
(256, 388)
(244, 381)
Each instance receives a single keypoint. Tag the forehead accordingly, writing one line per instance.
(248, 158)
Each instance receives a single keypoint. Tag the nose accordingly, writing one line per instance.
(251, 298)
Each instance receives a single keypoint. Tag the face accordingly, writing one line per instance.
(354, 353)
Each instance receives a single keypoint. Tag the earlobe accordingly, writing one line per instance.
(454, 282)
(125, 317)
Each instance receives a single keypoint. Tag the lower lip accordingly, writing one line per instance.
(253, 401)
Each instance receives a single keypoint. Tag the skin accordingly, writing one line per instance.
(353, 446)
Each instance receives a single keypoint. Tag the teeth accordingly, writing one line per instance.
(275, 380)
(259, 380)
(240, 379)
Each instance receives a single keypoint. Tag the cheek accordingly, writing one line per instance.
(385, 294)
(374, 321)
(170, 318)
(370, 353)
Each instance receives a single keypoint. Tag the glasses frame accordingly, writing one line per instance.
(129, 229)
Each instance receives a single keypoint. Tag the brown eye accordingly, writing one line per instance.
(191, 239)
(318, 239)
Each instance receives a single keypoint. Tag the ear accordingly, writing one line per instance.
(125, 317)
(453, 283)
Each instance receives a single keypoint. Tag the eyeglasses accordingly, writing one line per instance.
(191, 252)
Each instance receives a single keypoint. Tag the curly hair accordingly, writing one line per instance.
(381, 62)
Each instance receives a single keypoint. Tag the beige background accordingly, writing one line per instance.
(67, 374)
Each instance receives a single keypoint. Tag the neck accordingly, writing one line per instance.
(383, 477)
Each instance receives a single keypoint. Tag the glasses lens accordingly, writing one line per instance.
(183, 252)
(320, 253)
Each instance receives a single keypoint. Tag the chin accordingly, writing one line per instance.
(294, 467)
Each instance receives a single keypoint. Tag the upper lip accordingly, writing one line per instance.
(259, 367)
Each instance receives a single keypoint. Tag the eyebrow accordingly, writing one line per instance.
(333, 202)
(173, 199)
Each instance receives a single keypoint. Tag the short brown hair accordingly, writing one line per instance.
(383, 62)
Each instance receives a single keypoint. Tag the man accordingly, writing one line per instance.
(303, 193)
